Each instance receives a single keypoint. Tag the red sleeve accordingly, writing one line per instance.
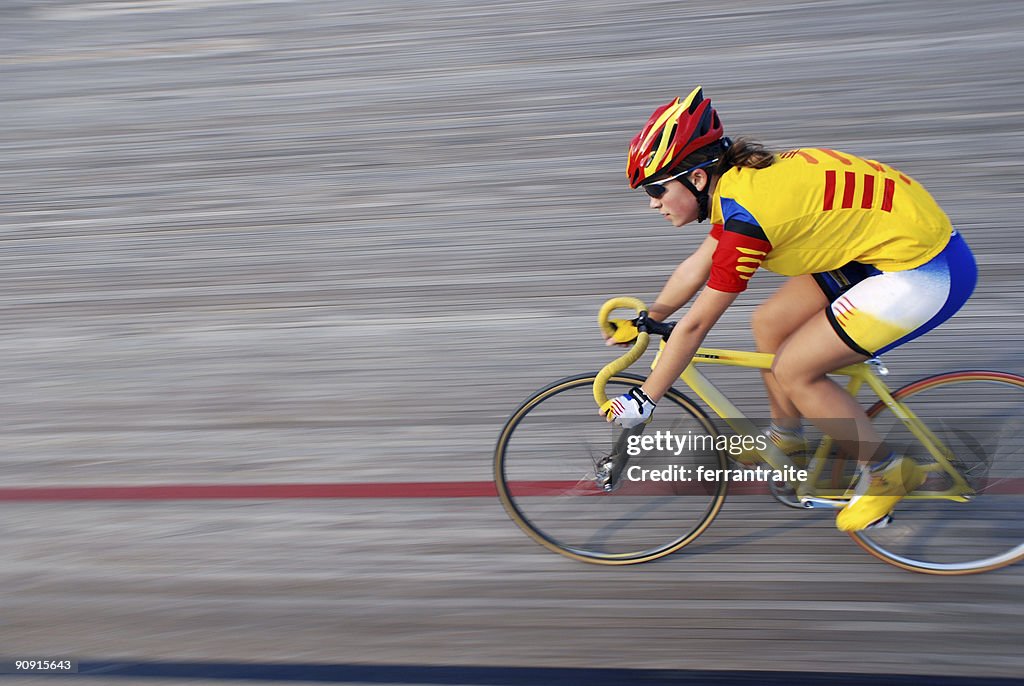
(736, 259)
(716, 231)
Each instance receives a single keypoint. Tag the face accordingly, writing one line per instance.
(678, 205)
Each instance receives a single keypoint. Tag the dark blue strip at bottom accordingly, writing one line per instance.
(505, 676)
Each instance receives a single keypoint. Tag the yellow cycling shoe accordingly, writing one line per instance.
(884, 488)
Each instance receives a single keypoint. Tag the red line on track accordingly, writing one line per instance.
(443, 489)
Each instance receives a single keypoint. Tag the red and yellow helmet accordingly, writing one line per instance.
(673, 132)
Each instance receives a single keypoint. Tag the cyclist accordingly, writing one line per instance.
(873, 262)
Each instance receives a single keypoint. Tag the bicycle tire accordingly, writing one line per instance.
(986, 435)
(556, 502)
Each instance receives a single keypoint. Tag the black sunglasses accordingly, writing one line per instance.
(658, 189)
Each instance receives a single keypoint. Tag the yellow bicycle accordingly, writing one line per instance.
(592, 492)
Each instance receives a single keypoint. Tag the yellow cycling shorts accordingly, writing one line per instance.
(875, 311)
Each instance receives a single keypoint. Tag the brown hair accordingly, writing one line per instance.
(744, 153)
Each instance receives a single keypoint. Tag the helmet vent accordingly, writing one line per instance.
(672, 133)
(696, 101)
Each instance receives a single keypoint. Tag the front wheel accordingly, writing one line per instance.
(979, 417)
(548, 464)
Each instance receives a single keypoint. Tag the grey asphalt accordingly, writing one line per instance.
(314, 241)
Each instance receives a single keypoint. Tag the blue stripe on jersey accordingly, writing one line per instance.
(733, 210)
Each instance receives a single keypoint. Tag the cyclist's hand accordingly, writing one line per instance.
(630, 409)
(625, 333)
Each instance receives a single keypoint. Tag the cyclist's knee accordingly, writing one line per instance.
(780, 370)
(791, 374)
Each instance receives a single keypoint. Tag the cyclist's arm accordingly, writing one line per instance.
(686, 338)
(685, 281)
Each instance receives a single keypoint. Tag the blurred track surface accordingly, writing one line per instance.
(316, 241)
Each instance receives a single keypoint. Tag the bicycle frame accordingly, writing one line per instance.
(858, 374)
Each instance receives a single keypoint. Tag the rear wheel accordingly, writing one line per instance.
(979, 416)
(548, 464)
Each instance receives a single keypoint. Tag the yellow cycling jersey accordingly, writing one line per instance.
(820, 209)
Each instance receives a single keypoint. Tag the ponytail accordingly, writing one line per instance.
(744, 153)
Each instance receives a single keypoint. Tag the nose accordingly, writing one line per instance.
(655, 203)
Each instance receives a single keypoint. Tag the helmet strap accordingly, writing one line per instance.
(701, 196)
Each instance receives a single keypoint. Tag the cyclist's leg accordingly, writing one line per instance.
(795, 304)
(877, 313)
(773, 322)
(800, 369)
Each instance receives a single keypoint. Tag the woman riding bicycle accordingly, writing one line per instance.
(874, 262)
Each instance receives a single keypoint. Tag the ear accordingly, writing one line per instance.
(699, 179)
